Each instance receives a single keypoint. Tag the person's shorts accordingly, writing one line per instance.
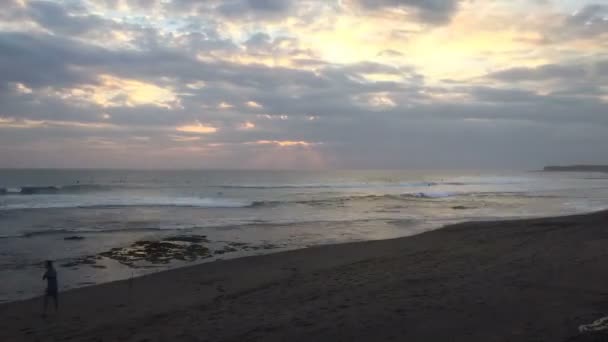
(51, 293)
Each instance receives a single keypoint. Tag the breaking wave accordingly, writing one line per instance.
(254, 223)
(328, 186)
(120, 202)
(460, 181)
(54, 189)
(103, 202)
(344, 199)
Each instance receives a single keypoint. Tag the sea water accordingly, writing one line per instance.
(286, 209)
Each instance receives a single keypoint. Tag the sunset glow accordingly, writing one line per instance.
(346, 79)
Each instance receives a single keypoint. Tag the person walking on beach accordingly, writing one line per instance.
(51, 285)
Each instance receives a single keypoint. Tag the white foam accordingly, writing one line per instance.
(597, 325)
(76, 201)
(354, 185)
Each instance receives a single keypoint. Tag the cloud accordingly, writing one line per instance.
(8, 122)
(248, 83)
(283, 143)
(235, 9)
(181, 138)
(247, 125)
(588, 22)
(56, 18)
(566, 72)
(431, 11)
(543, 72)
(196, 127)
(255, 9)
(38, 60)
(113, 91)
(592, 17)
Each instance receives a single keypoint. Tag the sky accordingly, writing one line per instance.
(308, 84)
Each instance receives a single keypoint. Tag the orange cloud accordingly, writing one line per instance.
(253, 104)
(283, 143)
(196, 127)
(247, 125)
(225, 105)
(181, 138)
(114, 91)
(27, 123)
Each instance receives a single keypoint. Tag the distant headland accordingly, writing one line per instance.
(577, 168)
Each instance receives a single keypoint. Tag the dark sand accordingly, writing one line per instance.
(528, 280)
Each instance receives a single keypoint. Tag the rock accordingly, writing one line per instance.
(238, 244)
(188, 238)
(74, 238)
(264, 246)
(461, 207)
(577, 168)
(226, 249)
(159, 252)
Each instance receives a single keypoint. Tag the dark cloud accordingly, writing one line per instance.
(255, 8)
(261, 43)
(567, 72)
(590, 21)
(72, 20)
(586, 23)
(235, 9)
(45, 60)
(490, 94)
(433, 11)
(56, 18)
(590, 15)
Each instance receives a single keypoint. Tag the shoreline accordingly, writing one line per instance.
(459, 282)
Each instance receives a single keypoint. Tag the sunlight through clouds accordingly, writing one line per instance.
(349, 82)
(112, 91)
(196, 127)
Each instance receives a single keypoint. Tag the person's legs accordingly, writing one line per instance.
(46, 303)
(56, 299)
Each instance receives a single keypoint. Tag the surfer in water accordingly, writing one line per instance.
(51, 285)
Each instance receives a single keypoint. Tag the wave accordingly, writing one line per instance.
(420, 196)
(458, 181)
(327, 186)
(77, 188)
(344, 199)
(35, 233)
(253, 223)
(54, 189)
(10, 236)
(124, 202)
(208, 202)
(86, 231)
(174, 202)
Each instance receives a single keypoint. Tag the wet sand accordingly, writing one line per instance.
(526, 280)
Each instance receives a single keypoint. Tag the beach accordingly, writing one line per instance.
(522, 280)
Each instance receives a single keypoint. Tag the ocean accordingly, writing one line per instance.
(90, 222)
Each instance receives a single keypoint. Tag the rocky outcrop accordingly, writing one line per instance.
(577, 168)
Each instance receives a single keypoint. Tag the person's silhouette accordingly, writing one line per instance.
(51, 285)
